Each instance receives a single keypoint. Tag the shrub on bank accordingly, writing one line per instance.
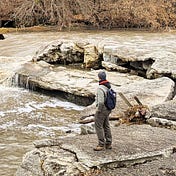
(107, 14)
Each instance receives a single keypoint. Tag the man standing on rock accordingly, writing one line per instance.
(102, 125)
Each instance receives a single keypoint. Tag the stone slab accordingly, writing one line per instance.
(128, 142)
(133, 144)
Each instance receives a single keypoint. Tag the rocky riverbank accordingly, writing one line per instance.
(149, 75)
(134, 146)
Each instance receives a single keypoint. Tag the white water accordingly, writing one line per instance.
(26, 116)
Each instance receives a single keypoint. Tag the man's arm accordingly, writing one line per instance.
(100, 99)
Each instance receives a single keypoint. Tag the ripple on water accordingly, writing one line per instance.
(26, 116)
(8, 124)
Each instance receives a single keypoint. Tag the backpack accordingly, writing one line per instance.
(110, 101)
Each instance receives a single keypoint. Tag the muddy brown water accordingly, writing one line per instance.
(26, 116)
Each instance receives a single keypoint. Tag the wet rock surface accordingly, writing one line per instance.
(2, 37)
(135, 147)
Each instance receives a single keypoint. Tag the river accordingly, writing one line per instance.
(25, 115)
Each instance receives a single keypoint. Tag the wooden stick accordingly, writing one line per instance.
(137, 100)
(91, 119)
(125, 99)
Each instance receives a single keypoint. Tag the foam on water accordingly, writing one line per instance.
(58, 103)
(20, 101)
(2, 114)
(33, 106)
(8, 124)
(44, 130)
(32, 126)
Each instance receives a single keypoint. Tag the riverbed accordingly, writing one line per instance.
(25, 115)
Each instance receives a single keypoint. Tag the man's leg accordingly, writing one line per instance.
(107, 131)
(99, 121)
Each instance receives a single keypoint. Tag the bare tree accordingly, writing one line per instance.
(150, 14)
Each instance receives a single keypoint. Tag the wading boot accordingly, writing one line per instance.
(108, 146)
(99, 148)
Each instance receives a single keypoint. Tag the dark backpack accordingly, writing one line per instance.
(110, 101)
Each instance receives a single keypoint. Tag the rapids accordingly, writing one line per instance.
(25, 115)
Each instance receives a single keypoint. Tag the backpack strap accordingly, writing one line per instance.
(105, 93)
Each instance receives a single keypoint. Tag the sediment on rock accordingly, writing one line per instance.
(161, 167)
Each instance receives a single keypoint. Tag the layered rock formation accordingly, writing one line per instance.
(129, 72)
(58, 52)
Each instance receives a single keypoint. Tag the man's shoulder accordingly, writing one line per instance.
(103, 88)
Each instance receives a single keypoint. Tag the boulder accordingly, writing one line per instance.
(48, 161)
(165, 110)
(150, 92)
(67, 52)
(135, 58)
(163, 66)
(116, 53)
(60, 52)
(2, 37)
(31, 164)
(155, 64)
(161, 122)
(46, 52)
(126, 60)
(91, 57)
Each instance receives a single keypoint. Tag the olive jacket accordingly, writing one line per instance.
(100, 98)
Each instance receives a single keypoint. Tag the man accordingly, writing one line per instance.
(102, 125)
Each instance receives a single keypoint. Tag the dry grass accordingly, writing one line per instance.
(29, 29)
